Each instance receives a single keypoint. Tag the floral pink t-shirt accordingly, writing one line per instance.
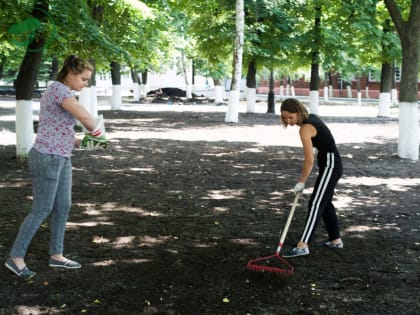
(56, 125)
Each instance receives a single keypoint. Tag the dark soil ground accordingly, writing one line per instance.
(165, 220)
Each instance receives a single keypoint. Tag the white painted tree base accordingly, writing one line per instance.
(218, 94)
(408, 142)
(326, 93)
(116, 100)
(189, 90)
(384, 104)
(232, 113)
(136, 91)
(24, 128)
(251, 99)
(394, 97)
(359, 98)
(313, 102)
(144, 89)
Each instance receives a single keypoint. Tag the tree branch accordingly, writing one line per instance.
(396, 16)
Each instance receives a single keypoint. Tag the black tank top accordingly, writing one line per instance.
(323, 141)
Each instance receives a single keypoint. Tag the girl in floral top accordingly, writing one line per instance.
(50, 165)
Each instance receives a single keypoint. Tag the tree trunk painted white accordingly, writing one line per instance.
(330, 91)
(218, 94)
(281, 91)
(349, 94)
(24, 128)
(313, 102)
(116, 100)
(251, 99)
(189, 91)
(408, 143)
(144, 89)
(232, 113)
(367, 92)
(394, 97)
(136, 91)
(326, 93)
(287, 89)
(384, 104)
(359, 98)
(292, 91)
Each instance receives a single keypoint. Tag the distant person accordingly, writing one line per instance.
(315, 134)
(50, 166)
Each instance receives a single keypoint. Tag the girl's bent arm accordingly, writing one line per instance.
(79, 112)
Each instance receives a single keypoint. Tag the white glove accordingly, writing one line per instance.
(99, 130)
(93, 145)
(299, 187)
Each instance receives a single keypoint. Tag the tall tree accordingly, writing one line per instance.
(386, 78)
(232, 113)
(26, 78)
(315, 55)
(408, 28)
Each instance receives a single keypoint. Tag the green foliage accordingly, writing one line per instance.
(148, 35)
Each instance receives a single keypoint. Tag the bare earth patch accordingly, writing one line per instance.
(165, 220)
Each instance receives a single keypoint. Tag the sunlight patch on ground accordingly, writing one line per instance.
(220, 209)
(252, 150)
(71, 225)
(366, 228)
(7, 137)
(35, 310)
(152, 241)
(204, 245)
(149, 170)
(100, 240)
(225, 194)
(244, 241)
(112, 206)
(8, 185)
(343, 201)
(106, 263)
(123, 241)
(392, 183)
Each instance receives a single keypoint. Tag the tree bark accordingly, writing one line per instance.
(25, 82)
(29, 68)
(271, 96)
(115, 73)
(251, 81)
(315, 80)
(116, 100)
(409, 32)
(386, 78)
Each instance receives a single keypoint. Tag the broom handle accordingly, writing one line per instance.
(286, 227)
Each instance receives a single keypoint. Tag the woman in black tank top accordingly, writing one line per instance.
(315, 134)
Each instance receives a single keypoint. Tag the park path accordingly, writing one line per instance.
(351, 123)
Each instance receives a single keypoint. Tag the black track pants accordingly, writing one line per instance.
(320, 203)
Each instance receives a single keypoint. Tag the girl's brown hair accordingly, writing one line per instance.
(292, 105)
(73, 64)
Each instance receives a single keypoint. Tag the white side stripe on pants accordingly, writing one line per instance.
(319, 194)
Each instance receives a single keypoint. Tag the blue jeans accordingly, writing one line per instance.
(51, 187)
